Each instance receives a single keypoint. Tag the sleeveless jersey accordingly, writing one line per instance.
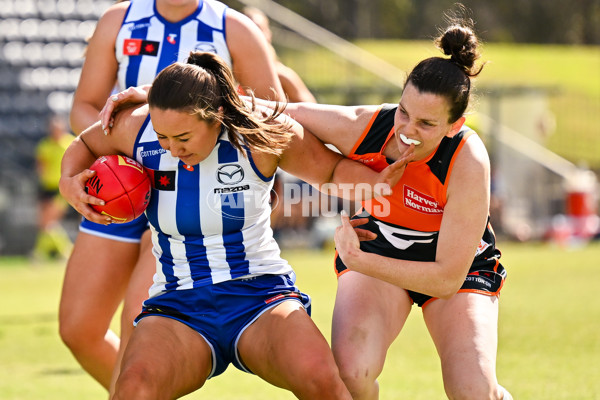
(408, 221)
(210, 222)
(147, 43)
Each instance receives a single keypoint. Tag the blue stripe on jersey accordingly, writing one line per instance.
(232, 214)
(232, 208)
(205, 32)
(170, 46)
(188, 217)
(224, 31)
(227, 153)
(188, 198)
(172, 38)
(152, 209)
(166, 262)
(133, 68)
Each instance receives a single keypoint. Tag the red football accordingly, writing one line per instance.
(123, 185)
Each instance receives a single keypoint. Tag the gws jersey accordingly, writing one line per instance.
(210, 222)
(407, 223)
(147, 43)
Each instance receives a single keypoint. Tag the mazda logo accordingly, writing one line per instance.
(230, 174)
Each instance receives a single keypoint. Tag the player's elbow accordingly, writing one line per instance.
(450, 283)
(447, 292)
(75, 119)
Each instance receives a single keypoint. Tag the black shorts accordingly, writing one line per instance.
(486, 275)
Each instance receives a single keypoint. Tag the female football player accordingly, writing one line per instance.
(132, 42)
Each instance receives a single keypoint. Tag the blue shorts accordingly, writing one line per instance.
(128, 232)
(220, 313)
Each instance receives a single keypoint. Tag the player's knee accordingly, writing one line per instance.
(78, 336)
(322, 380)
(134, 383)
(359, 380)
(70, 333)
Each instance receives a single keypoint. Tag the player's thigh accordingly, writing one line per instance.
(285, 347)
(96, 277)
(464, 329)
(368, 315)
(167, 355)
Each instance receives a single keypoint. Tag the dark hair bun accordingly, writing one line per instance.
(461, 44)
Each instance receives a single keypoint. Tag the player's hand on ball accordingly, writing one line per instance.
(124, 186)
(126, 98)
(73, 191)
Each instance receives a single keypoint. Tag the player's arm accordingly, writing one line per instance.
(251, 56)
(99, 71)
(463, 223)
(310, 160)
(86, 148)
(340, 126)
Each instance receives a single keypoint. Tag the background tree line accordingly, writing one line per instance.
(523, 21)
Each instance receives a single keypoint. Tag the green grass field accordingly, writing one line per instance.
(549, 333)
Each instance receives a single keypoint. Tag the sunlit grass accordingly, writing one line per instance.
(549, 345)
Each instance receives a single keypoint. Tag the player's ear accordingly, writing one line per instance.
(456, 126)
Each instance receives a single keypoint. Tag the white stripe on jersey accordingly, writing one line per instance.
(204, 31)
(393, 236)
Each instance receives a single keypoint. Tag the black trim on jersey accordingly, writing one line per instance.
(440, 162)
(375, 138)
(162, 180)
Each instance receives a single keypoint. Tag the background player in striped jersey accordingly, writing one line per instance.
(132, 42)
(219, 272)
(435, 247)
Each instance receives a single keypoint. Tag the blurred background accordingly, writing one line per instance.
(537, 102)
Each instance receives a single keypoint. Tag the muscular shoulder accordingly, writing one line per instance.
(243, 36)
(237, 23)
(471, 167)
(474, 154)
(112, 18)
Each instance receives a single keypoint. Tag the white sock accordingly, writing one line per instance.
(505, 394)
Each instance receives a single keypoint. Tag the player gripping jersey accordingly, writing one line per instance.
(407, 223)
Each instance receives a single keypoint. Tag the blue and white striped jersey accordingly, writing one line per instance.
(147, 43)
(210, 222)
